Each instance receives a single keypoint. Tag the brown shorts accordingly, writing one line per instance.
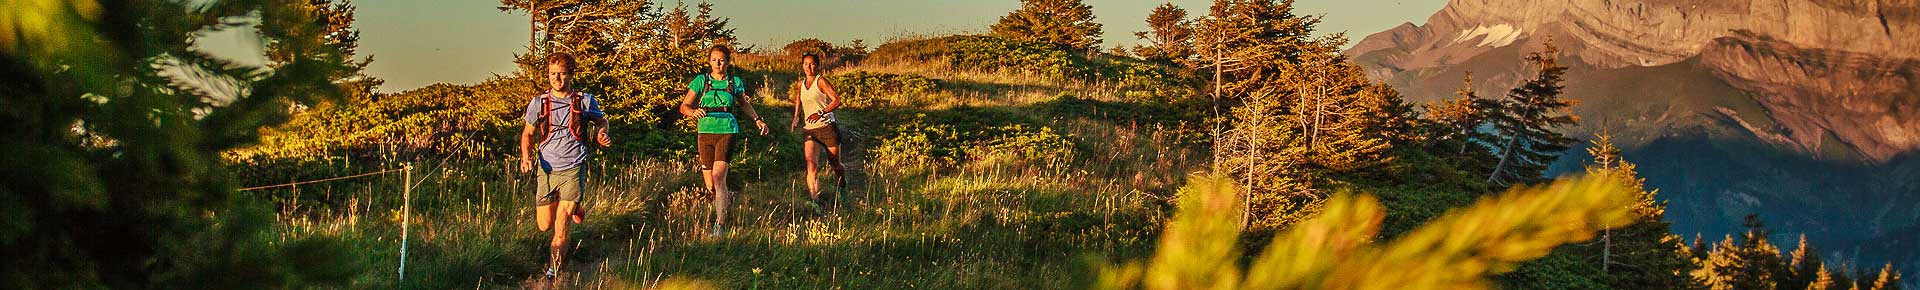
(563, 185)
(714, 147)
(827, 136)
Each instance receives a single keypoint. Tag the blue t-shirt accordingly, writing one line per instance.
(561, 151)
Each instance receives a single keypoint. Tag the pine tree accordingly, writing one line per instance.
(1063, 23)
(1806, 265)
(1250, 42)
(1822, 280)
(1526, 122)
(1754, 263)
(116, 124)
(1715, 270)
(1887, 279)
(630, 53)
(1171, 37)
(1459, 120)
(1298, 109)
(1699, 247)
(314, 125)
(695, 30)
(1607, 160)
(1645, 253)
(1843, 280)
(333, 23)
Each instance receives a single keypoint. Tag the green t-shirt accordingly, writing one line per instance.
(721, 95)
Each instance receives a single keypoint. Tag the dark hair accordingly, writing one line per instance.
(814, 57)
(561, 58)
(723, 49)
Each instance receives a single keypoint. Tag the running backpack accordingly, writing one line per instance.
(546, 119)
(707, 86)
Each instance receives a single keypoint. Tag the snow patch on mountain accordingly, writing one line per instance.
(1498, 35)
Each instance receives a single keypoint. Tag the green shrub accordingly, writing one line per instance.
(952, 139)
(988, 54)
(862, 89)
(1030, 143)
(1146, 81)
(918, 142)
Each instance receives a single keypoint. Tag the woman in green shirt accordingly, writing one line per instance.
(713, 96)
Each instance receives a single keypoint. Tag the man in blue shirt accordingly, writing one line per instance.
(553, 126)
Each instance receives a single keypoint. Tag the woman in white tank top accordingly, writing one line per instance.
(814, 105)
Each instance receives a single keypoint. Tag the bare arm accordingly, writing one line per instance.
(526, 147)
(832, 95)
(687, 105)
(798, 111)
(746, 106)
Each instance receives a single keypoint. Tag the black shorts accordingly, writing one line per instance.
(827, 136)
(714, 147)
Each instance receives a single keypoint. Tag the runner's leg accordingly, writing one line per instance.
(813, 170)
(721, 195)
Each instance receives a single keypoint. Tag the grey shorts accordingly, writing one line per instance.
(558, 185)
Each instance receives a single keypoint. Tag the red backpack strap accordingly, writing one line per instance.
(546, 120)
(573, 115)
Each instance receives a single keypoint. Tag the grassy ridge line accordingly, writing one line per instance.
(991, 220)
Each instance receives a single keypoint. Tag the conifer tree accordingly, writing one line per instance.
(1715, 268)
(1297, 109)
(1527, 119)
(1821, 279)
(1459, 120)
(1170, 37)
(1753, 263)
(333, 24)
(632, 54)
(1887, 279)
(1644, 254)
(695, 30)
(1806, 265)
(1063, 23)
(116, 124)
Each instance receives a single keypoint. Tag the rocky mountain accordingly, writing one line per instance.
(1804, 111)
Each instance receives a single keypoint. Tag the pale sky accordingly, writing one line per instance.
(420, 42)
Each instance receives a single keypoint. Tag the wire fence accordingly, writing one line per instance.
(406, 203)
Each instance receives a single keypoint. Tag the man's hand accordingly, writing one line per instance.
(762, 125)
(602, 137)
(526, 165)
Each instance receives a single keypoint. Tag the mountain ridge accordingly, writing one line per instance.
(1806, 112)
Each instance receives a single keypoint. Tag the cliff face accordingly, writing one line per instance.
(1806, 112)
(1647, 33)
(1833, 73)
(1824, 98)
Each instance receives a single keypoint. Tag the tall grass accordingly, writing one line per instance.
(993, 221)
(1040, 186)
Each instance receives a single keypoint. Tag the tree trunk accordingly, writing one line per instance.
(1505, 153)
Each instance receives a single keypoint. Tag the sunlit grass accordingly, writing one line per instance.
(992, 221)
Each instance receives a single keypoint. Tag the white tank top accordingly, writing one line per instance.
(812, 101)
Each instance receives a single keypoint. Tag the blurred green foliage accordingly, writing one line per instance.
(114, 125)
(1336, 249)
